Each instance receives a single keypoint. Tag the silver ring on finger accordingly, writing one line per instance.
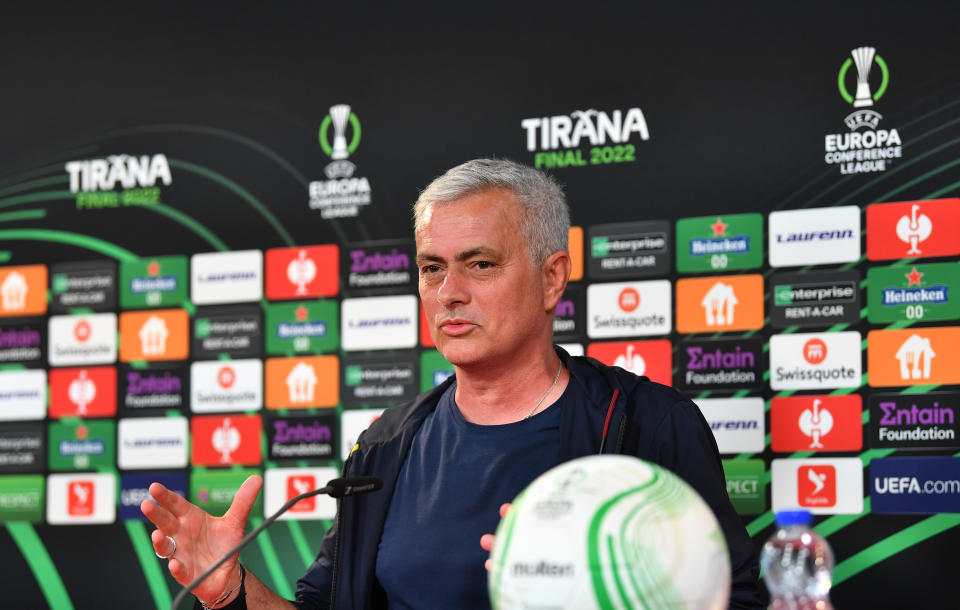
(168, 556)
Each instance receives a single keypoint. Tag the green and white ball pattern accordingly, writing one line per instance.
(605, 532)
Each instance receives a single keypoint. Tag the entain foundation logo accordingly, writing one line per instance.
(118, 181)
(866, 148)
(342, 194)
(585, 137)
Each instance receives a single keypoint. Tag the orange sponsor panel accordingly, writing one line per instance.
(575, 247)
(913, 356)
(157, 334)
(301, 383)
(23, 290)
(720, 303)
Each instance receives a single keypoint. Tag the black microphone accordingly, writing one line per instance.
(337, 488)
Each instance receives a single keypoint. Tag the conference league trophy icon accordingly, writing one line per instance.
(340, 167)
(863, 59)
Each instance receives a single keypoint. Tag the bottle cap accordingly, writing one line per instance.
(794, 517)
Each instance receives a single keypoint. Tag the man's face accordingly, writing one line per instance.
(482, 294)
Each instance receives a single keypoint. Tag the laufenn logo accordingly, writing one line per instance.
(95, 181)
(556, 141)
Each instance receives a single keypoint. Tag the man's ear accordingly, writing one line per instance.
(555, 272)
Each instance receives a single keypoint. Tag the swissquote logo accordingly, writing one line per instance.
(229, 385)
(919, 356)
(23, 290)
(225, 440)
(865, 148)
(118, 180)
(302, 272)
(816, 236)
(816, 423)
(628, 308)
(83, 392)
(280, 485)
(809, 361)
(913, 229)
(824, 486)
(81, 498)
(82, 339)
(585, 137)
(342, 194)
(650, 358)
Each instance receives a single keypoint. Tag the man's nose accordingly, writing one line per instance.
(454, 289)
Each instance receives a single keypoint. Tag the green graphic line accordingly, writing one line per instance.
(55, 167)
(37, 557)
(31, 197)
(152, 571)
(31, 184)
(269, 553)
(885, 81)
(894, 544)
(300, 542)
(23, 215)
(952, 187)
(237, 190)
(73, 239)
(222, 133)
(187, 221)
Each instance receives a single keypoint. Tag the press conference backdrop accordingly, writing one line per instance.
(207, 267)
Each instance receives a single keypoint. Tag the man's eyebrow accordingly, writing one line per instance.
(460, 256)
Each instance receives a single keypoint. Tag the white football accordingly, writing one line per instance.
(604, 532)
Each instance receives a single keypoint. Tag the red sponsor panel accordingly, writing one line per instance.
(816, 423)
(226, 440)
(817, 486)
(651, 358)
(302, 272)
(81, 497)
(83, 392)
(913, 229)
(425, 339)
(298, 484)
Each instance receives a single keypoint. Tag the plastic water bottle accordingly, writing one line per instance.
(797, 564)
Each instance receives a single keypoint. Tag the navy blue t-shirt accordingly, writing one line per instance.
(448, 494)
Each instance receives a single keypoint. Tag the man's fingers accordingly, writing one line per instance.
(503, 509)
(486, 565)
(160, 517)
(173, 502)
(243, 501)
(486, 542)
(162, 544)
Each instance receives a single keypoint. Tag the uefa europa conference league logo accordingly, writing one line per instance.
(342, 194)
(865, 148)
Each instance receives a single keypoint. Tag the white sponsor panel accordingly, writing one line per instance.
(737, 423)
(352, 424)
(824, 486)
(814, 237)
(23, 395)
(82, 339)
(145, 443)
(379, 322)
(83, 498)
(226, 277)
(283, 484)
(629, 309)
(816, 361)
(574, 349)
(220, 386)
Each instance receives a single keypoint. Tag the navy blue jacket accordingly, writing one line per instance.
(649, 420)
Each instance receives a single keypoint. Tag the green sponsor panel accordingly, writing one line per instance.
(304, 327)
(433, 370)
(162, 281)
(213, 490)
(21, 497)
(82, 444)
(720, 243)
(745, 485)
(916, 293)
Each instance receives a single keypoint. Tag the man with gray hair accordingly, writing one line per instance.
(492, 255)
